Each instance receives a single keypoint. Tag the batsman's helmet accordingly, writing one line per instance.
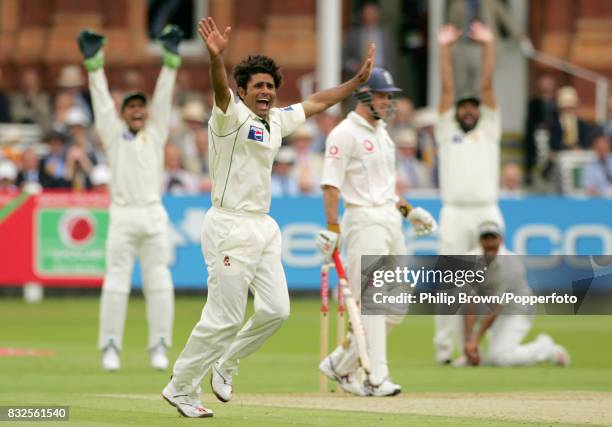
(380, 81)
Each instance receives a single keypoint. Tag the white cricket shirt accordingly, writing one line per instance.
(136, 161)
(360, 162)
(241, 153)
(469, 162)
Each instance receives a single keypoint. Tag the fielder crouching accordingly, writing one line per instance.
(505, 331)
(134, 143)
(360, 165)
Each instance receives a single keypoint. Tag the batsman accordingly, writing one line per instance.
(359, 165)
(134, 142)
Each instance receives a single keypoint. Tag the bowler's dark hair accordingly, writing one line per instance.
(254, 65)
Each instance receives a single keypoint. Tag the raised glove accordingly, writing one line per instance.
(422, 221)
(170, 38)
(90, 45)
(327, 241)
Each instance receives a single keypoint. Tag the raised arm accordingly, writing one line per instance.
(483, 35)
(321, 101)
(216, 43)
(447, 36)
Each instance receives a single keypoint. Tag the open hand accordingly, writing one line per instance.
(215, 41)
(448, 34)
(481, 33)
(364, 72)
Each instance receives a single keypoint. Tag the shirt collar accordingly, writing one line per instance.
(357, 119)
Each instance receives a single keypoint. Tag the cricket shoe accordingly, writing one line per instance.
(221, 383)
(348, 383)
(386, 388)
(159, 360)
(188, 405)
(110, 359)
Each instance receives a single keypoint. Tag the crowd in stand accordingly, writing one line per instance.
(69, 154)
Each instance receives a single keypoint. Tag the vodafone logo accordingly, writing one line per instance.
(369, 145)
(77, 227)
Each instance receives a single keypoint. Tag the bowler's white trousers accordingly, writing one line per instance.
(137, 231)
(369, 231)
(458, 235)
(242, 252)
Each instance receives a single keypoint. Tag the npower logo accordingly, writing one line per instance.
(77, 227)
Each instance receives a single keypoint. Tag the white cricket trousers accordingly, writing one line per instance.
(242, 252)
(142, 232)
(369, 231)
(458, 235)
(505, 337)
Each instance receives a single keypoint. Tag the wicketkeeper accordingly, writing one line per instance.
(134, 140)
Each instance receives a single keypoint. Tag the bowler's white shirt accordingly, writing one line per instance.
(360, 162)
(241, 153)
(469, 162)
(136, 161)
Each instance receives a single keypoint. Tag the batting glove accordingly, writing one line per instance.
(90, 45)
(327, 241)
(170, 38)
(422, 221)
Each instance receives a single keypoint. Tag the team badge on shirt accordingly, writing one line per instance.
(256, 134)
(287, 108)
(457, 139)
(128, 135)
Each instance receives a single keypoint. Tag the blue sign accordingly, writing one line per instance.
(534, 226)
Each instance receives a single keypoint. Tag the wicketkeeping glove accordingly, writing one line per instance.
(422, 221)
(170, 38)
(90, 45)
(327, 241)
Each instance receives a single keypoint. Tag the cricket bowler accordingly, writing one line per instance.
(359, 165)
(134, 142)
(241, 243)
(468, 133)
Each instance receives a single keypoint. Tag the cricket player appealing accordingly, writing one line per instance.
(468, 134)
(360, 165)
(241, 243)
(134, 142)
(506, 325)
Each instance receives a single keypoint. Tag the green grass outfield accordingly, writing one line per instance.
(286, 365)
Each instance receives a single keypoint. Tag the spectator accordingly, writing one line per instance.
(597, 176)
(191, 131)
(71, 80)
(100, 179)
(308, 165)
(325, 122)
(424, 121)
(78, 166)
(411, 173)
(31, 104)
(511, 181)
(184, 92)
(5, 110)
(284, 183)
(177, 180)
(608, 125)
(53, 165)
(567, 130)
(359, 38)
(8, 174)
(541, 112)
(77, 123)
(9, 144)
(64, 102)
(404, 114)
(29, 172)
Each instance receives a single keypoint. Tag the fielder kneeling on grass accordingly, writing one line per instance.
(134, 143)
(360, 165)
(505, 332)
